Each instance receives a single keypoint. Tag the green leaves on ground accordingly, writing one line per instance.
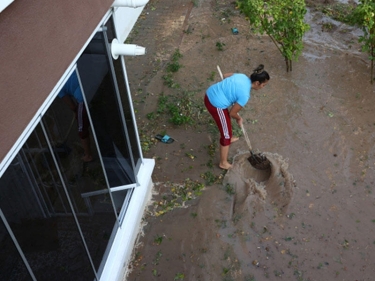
(182, 108)
(172, 67)
(178, 195)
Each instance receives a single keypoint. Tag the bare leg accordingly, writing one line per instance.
(224, 164)
(233, 139)
(87, 157)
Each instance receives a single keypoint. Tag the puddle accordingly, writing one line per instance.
(329, 33)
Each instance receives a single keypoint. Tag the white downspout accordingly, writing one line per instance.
(130, 3)
(118, 49)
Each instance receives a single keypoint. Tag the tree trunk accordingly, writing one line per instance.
(287, 64)
(372, 63)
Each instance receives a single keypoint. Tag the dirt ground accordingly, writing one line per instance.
(308, 218)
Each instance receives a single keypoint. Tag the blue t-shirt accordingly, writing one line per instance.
(234, 89)
(72, 88)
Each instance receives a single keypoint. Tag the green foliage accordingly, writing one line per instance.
(157, 259)
(175, 65)
(211, 178)
(172, 67)
(150, 116)
(176, 55)
(225, 270)
(169, 81)
(361, 15)
(229, 189)
(282, 21)
(147, 142)
(179, 276)
(365, 17)
(162, 103)
(177, 117)
(178, 196)
(181, 109)
(340, 12)
(211, 149)
(212, 76)
(220, 46)
(158, 239)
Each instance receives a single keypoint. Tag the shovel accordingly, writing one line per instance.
(257, 160)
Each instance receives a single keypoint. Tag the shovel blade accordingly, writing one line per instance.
(259, 161)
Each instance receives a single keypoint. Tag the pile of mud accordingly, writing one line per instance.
(254, 188)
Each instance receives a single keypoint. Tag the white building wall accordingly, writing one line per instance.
(125, 19)
(116, 266)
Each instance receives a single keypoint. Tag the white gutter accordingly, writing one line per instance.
(130, 3)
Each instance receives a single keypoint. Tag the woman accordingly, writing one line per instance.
(234, 92)
(71, 94)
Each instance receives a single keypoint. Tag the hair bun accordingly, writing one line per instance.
(259, 69)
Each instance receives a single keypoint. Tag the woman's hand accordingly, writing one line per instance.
(234, 113)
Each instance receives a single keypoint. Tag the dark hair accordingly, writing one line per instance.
(259, 74)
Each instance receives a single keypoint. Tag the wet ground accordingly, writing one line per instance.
(311, 216)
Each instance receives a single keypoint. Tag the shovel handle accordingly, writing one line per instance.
(220, 73)
(246, 138)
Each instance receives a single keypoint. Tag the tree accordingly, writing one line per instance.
(282, 21)
(364, 15)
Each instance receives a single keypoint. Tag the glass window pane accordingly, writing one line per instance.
(121, 199)
(12, 267)
(128, 112)
(35, 205)
(105, 112)
(129, 116)
(84, 178)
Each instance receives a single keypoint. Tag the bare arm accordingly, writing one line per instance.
(234, 113)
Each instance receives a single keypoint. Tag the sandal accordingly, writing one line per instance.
(166, 139)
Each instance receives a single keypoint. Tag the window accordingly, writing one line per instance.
(43, 202)
(104, 107)
(59, 208)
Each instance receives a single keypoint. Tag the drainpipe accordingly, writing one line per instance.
(118, 49)
(130, 3)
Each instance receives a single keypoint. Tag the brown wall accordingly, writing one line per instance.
(38, 41)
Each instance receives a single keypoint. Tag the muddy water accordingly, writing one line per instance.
(253, 188)
(312, 215)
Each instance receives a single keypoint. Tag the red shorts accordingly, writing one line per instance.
(222, 119)
(83, 121)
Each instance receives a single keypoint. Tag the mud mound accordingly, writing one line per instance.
(254, 188)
